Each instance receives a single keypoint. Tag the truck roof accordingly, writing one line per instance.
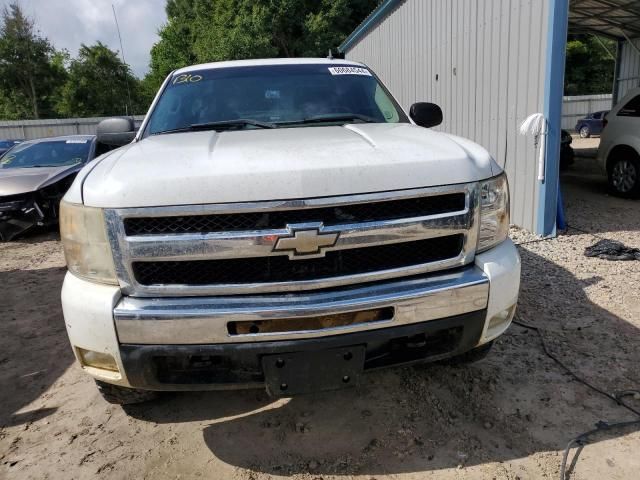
(267, 61)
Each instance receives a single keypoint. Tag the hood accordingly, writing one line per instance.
(286, 163)
(14, 181)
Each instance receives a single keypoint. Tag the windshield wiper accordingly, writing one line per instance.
(240, 122)
(334, 117)
(221, 125)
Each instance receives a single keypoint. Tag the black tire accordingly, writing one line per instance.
(124, 396)
(624, 174)
(472, 356)
(567, 157)
(585, 131)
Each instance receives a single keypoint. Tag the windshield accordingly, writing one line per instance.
(273, 96)
(55, 153)
(8, 143)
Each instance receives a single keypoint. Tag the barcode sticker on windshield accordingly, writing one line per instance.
(349, 71)
(76, 141)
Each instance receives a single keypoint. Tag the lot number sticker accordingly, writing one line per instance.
(349, 71)
(186, 78)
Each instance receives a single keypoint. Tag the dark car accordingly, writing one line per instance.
(592, 124)
(7, 144)
(34, 176)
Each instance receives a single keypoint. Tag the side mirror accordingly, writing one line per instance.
(426, 114)
(116, 132)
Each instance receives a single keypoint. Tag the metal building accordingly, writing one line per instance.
(628, 69)
(489, 64)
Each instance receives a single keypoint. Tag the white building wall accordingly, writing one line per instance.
(483, 62)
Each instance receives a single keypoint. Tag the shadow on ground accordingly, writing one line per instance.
(34, 349)
(435, 417)
(585, 190)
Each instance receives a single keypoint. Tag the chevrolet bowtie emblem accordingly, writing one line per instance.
(304, 242)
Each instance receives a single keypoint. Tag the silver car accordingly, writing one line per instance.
(34, 175)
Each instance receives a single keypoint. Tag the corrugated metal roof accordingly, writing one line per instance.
(614, 18)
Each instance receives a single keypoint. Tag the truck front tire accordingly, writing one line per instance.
(123, 395)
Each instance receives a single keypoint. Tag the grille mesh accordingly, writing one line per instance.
(334, 215)
(281, 269)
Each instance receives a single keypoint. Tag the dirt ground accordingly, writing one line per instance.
(507, 417)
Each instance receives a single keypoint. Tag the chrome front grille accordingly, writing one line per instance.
(223, 249)
(332, 215)
(279, 268)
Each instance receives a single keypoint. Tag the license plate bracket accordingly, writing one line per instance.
(296, 373)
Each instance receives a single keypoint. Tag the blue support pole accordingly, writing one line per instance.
(561, 222)
(558, 21)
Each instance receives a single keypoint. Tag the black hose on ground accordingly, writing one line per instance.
(581, 440)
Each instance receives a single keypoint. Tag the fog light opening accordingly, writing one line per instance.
(500, 321)
(99, 360)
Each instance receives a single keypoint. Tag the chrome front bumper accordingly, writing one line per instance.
(203, 320)
(142, 333)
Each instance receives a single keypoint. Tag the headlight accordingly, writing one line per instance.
(86, 247)
(494, 212)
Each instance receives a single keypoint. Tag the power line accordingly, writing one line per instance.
(126, 77)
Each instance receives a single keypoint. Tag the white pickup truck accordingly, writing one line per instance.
(282, 224)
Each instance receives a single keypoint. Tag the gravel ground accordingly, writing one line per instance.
(588, 145)
(506, 417)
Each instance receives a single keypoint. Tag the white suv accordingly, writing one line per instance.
(619, 151)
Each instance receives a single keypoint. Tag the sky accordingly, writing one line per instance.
(69, 23)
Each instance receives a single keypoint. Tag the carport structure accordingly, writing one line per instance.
(613, 18)
(491, 63)
(619, 20)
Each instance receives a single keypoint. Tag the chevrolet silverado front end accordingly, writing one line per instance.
(267, 240)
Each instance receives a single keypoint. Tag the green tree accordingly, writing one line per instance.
(31, 70)
(590, 65)
(14, 107)
(99, 84)
(232, 29)
(235, 29)
(329, 25)
(175, 47)
(200, 31)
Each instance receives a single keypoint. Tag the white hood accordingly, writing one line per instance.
(285, 163)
